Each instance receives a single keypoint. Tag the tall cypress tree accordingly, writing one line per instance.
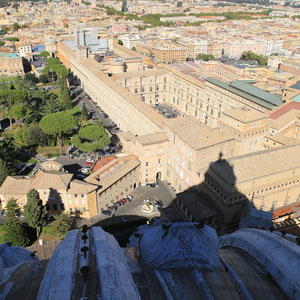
(14, 233)
(34, 210)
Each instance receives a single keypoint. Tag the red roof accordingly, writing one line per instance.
(281, 211)
(103, 161)
(284, 109)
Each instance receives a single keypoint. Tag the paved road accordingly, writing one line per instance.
(163, 193)
(107, 122)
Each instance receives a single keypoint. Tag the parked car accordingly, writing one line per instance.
(128, 198)
(105, 116)
(89, 162)
(112, 208)
(146, 201)
(106, 212)
(123, 201)
(80, 176)
(154, 184)
(117, 204)
(157, 204)
(85, 170)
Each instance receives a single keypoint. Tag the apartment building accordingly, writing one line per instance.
(11, 64)
(220, 71)
(57, 191)
(191, 145)
(151, 86)
(290, 66)
(164, 53)
(248, 126)
(152, 152)
(284, 126)
(25, 50)
(115, 180)
(267, 179)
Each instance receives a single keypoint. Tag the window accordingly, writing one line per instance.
(70, 201)
(182, 163)
(147, 164)
(160, 150)
(159, 160)
(82, 196)
(183, 149)
(187, 180)
(181, 174)
(147, 152)
(189, 167)
(180, 188)
(75, 195)
(168, 173)
(83, 209)
(83, 201)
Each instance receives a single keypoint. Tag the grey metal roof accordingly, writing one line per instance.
(249, 92)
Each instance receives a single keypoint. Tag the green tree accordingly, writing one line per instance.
(120, 42)
(14, 233)
(31, 77)
(61, 224)
(4, 171)
(10, 98)
(19, 111)
(5, 29)
(12, 208)
(91, 138)
(133, 48)
(34, 212)
(84, 113)
(64, 95)
(43, 78)
(205, 57)
(20, 135)
(58, 124)
(44, 54)
(36, 136)
(16, 26)
(2, 43)
(12, 39)
(52, 105)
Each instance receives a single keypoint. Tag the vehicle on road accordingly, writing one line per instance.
(146, 201)
(89, 162)
(154, 184)
(112, 208)
(85, 170)
(106, 212)
(117, 204)
(157, 204)
(128, 198)
(80, 176)
(123, 201)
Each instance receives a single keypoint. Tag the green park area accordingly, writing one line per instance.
(45, 123)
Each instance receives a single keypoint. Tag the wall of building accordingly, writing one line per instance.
(118, 190)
